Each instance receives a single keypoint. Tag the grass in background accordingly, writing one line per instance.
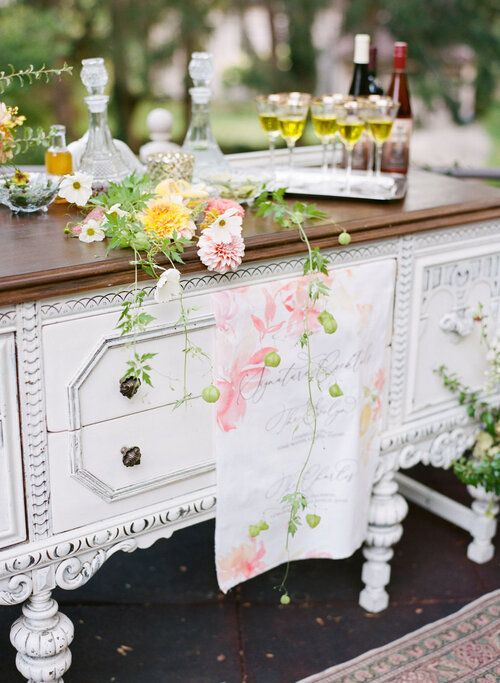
(235, 126)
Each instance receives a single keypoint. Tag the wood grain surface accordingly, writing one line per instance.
(38, 261)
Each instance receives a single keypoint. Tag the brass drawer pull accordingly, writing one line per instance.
(131, 456)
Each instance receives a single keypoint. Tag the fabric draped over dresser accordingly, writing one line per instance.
(264, 424)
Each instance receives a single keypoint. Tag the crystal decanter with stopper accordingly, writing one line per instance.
(200, 140)
(96, 153)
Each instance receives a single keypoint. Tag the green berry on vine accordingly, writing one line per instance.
(210, 394)
(344, 238)
(285, 599)
(272, 359)
(263, 525)
(253, 530)
(335, 391)
(313, 520)
(328, 322)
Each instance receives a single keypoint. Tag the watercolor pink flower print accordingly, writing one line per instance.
(266, 324)
(242, 562)
(244, 377)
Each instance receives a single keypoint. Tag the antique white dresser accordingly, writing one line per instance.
(67, 502)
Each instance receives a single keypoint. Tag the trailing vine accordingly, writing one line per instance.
(481, 465)
(316, 270)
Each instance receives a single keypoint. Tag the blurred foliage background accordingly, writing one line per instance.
(141, 40)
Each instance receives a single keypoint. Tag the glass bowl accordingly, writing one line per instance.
(237, 185)
(35, 194)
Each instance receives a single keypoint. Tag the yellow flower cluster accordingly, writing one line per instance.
(162, 217)
(9, 120)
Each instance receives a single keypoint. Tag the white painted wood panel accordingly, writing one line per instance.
(89, 481)
(448, 287)
(85, 357)
(12, 516)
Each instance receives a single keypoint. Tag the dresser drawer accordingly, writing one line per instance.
(448, 288)
(85, 357)
(89, 480)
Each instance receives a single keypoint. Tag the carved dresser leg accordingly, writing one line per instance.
(485, 508)
(42, 637)
(387, 510)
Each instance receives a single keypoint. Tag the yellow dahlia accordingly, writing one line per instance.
(162, 217)
(181, 188)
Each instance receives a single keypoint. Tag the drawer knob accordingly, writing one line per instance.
(131, 456)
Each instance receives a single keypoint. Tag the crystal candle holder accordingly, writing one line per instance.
(170, 165)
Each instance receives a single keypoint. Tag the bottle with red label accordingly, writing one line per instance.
(396, 151)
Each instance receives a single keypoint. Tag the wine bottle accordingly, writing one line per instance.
(373, 84)
(360, 87)
(396, 151)
(360, 84)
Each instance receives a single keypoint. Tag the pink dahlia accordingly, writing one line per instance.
(221, 256)
(220, 206)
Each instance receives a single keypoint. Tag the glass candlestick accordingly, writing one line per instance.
(200, 140)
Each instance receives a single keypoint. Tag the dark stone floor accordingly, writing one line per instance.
(164, 605)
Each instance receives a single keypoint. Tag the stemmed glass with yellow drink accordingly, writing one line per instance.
(292, 115)
(324, 120)
(267, 107)
(350, 126)
(379, 116)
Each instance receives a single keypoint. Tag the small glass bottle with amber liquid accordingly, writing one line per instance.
(58, 159)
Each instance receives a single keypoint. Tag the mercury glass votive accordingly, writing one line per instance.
(170, 165)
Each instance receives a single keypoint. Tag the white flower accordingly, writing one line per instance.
(76, 188)
(116, 209)
(490, 356)
(225, 226)
(91, 232)
(4, 113)
(168, 286)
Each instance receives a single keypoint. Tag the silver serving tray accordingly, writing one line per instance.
(312, 182)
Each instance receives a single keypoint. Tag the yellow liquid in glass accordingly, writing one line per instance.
(350, 132)
(380, 129)
(58, 163)
(324, 126)
(292, 127)
(269, 123)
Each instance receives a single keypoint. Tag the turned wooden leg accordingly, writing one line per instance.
(484, 526)
(42, 636)
(387, 510)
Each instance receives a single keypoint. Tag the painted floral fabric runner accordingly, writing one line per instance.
(264, 427)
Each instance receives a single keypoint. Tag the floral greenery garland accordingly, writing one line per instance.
(154, 223)
(480, 466)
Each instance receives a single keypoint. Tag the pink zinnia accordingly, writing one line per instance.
(219, 206)
(219, 256)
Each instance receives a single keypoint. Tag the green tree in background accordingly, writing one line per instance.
(432, 26)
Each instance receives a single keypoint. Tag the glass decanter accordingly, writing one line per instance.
(200, 140)
(100, 158)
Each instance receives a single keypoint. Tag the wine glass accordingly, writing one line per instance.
(380, 116)
(324, 122)
(292, 115)
(350, 126)
(267, 108)
(370, 99)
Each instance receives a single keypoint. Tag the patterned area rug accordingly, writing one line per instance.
(463, 647)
